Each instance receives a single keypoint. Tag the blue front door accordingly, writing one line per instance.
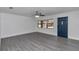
(63, 27)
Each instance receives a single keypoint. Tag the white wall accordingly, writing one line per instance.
(12, 25)
(0, 30)
(15, 25)
(73, 24)
(0, 25)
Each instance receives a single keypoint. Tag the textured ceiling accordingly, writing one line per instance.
(30, 11)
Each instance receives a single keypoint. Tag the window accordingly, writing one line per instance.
(46, 23)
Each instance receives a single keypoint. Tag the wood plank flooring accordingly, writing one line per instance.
(38, 42)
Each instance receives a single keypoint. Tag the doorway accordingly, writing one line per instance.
(62, 27)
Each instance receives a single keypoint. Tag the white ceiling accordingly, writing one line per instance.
(30, 11)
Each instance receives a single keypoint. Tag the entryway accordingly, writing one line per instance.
(62, 27)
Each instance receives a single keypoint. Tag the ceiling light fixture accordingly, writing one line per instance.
(38, 14)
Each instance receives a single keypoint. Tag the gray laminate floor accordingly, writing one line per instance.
(38, 42)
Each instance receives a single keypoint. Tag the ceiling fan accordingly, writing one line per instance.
(38, 14)
(10, 7)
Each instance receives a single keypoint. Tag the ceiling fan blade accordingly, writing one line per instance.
(39, 13)
(42, 14)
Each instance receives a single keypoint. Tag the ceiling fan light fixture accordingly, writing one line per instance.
(37, 16)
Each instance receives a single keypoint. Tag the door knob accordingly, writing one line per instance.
(62, 22)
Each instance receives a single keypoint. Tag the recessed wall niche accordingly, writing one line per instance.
(46, 23)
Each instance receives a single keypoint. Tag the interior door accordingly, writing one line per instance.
(63, 27)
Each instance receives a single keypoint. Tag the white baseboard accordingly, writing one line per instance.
(49, 33)
(74, 38)
(15, 34)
